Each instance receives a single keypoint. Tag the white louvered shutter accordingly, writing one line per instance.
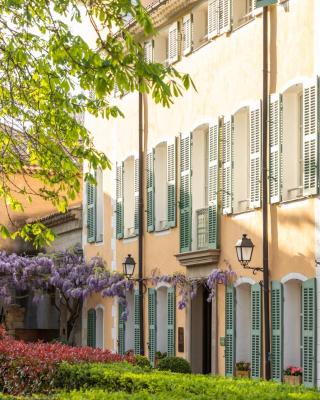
(227, 167)
(310, 138)
(148, 51)
(173, 43)
(213, 18)
(136, 196)
(213, 184)
(187, 34)
(171, 181)
(224, 16)
(119, 201)
(275, 141)
(255, 155)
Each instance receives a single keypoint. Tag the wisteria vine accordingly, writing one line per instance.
(187, 287)
(70, 280)
(66, 276)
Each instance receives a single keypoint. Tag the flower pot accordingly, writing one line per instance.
(242, 374)
(292, 379)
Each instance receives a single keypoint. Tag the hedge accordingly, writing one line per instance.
(128, 379)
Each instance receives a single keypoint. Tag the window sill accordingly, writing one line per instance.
(294, 200)
(129, 239)
(162, 232)
(249, 210)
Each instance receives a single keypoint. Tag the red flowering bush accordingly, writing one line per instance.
(31, 367)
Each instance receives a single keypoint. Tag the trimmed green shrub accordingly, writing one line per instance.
(142, 361)
(174, 364)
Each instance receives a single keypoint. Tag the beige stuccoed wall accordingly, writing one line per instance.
(228, 74)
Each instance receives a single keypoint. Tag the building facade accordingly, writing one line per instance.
(202, 190)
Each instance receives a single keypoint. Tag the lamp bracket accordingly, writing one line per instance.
(255, 270)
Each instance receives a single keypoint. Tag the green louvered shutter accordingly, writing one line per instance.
(91, 328)
(171, 181)
(91, 212)
(277, 330)
(230, 331)
(275, 140)
(136, 196)
(137, 347)
(152, 317)
(150, 191)
(185, 193)
(171, 335)
(119, 201)
(310, 138)
(255, 155)
(256, 341)
(309, 332)
(121, 330)
(213, 185)
(227, 165)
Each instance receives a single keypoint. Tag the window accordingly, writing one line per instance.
(199, 25)
(160, 176)
(199, 187)
(242, 11)
(161, 186)
(95, 209)
(128, 197)
(292, 157)
(241, 160)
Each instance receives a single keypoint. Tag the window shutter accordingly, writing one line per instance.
(136, 196)
(310, 138)
(187, 34)
(91, 212)
(91, 328)
(148, 51)
(152, 317)
(119, 201)
(255, 155)
(213, 184)
(185, 193)
(256, 330)
(230, 331)
(275, 140)
(150, 191)
(227, 165)
(171, 181)
(309, 332)
(121, 330)
(173, 43)
(137, 348)
(213, 18)
(277, 330)
(225, 16)
(171, 335)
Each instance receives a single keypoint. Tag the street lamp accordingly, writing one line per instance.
(128, 266)
(244, 249)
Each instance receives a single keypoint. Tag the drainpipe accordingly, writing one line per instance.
(140, 216)
(265, 197)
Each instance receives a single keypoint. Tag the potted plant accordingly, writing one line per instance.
(292, 375)
(243, 369)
